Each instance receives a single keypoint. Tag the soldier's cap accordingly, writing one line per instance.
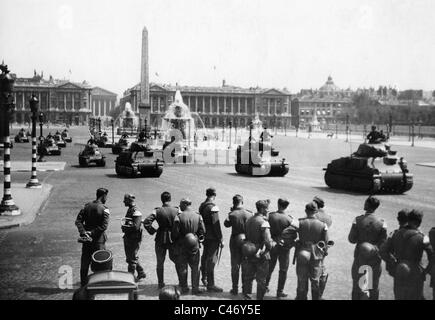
(102, 192)
(129, 196)
(415, 215)
(210, 192)
(319, 201)
(311, 207)
(262, 204)
(185, 201)
(283, 202)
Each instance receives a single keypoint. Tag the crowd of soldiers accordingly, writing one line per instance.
(259, 241)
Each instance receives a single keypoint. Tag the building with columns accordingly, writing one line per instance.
(218, 105)
(102, 102)
(61, 101)
(329, 103)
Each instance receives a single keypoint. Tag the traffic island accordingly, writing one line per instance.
(30, 202)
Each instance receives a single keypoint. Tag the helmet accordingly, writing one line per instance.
(169, 293)
(403, 272)
(248, 249)
(191, 242)
(367, 251)
(239, 240)
(102, 261)
(304, 257)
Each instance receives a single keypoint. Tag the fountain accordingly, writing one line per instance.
(127, 121)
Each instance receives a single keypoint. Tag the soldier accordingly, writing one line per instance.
(404, 250)
(402, 219)
(213, 240)
(132, 236)
(92, 222)
(432, 269)
(368, 232)
(325, 218)
(164, 216)
(279, 221)
(187, 231)
(311, 232)
(237, 220)
(256, 265)
(373, 135)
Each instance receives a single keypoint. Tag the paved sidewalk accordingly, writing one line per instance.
(25, 166)
(30, 202)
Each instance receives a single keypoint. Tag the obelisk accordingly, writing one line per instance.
(144, 104)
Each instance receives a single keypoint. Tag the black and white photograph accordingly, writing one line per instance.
(220, 152)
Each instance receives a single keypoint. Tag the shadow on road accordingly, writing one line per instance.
(47, 291)
(354, 193)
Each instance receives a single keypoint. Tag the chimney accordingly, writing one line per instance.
(223, 83)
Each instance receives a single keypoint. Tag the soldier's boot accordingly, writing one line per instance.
(211, 286)
(282, 277)
(315, 291)
(160, 277)
(322, 284)
(140, 272)
(131, 269)
(374, 294)
(235, 281)
(204, 275)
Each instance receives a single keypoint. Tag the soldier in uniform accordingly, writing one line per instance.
(325, 218)
(402, 219)
(404, 250)
(432, 269)
(132, 236)
(237, 220)
(373, 135)
(213, 240)
(92, 222)
(164, 216)
(257, 266)
(308, 255)
(368, 232)
(279, 221)
(187, 231)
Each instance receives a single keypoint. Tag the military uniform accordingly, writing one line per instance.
(309, 258)
(184, 223)
(278, 222)
(325, 218)
(213, 238)
(93, 218)
(404, 250)
(258, 233)
(237, 220)
(164, 216)
(367, 228)
(132, 240)
(432, 269)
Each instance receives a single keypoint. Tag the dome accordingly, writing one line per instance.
(329, 86)
(178, 109)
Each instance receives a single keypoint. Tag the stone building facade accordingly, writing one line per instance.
(216, 106)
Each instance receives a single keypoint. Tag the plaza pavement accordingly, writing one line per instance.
(31, 256)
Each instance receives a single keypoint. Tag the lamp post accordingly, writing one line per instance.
(41, 137)
(113, 131)
(250, 140)
(33, 182)
(230, 123)
(347, 127)
(7, 205)
(412, 133)
(99, 124)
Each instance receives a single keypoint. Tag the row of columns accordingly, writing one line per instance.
(101, 107)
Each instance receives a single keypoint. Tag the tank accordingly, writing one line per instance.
(122, 145)
(59, 140)
(266, 164)
(138, 161)
(373, 168)
(102, 140)
(66, 137)
(91, 154)
(48, 147)
(22, 137)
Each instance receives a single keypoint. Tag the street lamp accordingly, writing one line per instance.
(113, 131)
(33, 182)
(41, 137)
(347, 127)
(99, 124)
(230, 123)
(7, 206)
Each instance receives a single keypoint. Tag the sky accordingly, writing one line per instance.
(275, 43)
